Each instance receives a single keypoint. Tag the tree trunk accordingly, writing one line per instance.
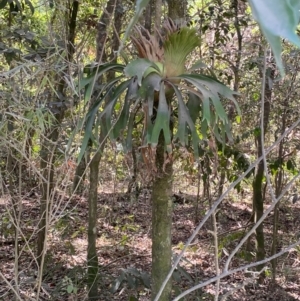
(258, 199)
(279, 179)
(92, 257)
(148, 15)
(177, 9)
(79, 176)
(161, 222)
(258, 206)
(157, 16)
(162, 206)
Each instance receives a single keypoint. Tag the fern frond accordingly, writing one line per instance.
(177, 46)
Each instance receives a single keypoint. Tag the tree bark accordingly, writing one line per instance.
(258, 199)
(148, 15)
(258, 206)
(79, 176)
(92, 257)
(177, 10)
(161, 222)
(279, 178)
(162, 206)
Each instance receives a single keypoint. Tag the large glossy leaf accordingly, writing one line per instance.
(102, 68)
(137, 68)
(194, 106)
(219, 109)
(162, 121)
(206, 110)
(211, 88)
(185, 124)
(149, 85)
(93, 73)
(89, 122)
(102, 95)
(215, 87)
(107, 112)
(124, 115)
(148, 91)
(204, 129)
(128, 142)
(277, 18)
(110, 97)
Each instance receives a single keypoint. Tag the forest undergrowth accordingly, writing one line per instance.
(124, 248)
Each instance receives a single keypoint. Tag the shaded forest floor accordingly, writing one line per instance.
(124, 250)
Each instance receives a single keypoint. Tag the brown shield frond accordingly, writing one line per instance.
(147, 45)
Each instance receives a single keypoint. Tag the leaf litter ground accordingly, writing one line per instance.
(124, 250)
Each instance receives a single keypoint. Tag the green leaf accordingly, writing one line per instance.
(3, 3)
(228, 132)
(177, 46)
(70, 288)
(204, 129)
(185, 274)
(97, 102)
(176, 276)
(277, 18)
(194, 106)
(107, 113)
(90, 118)
(131, 281)
(257, 132)
(94, 71)
(206, 111)
(30, 6)
(184, 120)
(133, 271)
(210, 89)
(216, 119)
(162, 121)
(198, 65)
(18, 5)
(290, 165)
(220, 112)
(118, 281)
(137, 68)
(128, 143)
(124, 115)
(238, 119)
(149, 85)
